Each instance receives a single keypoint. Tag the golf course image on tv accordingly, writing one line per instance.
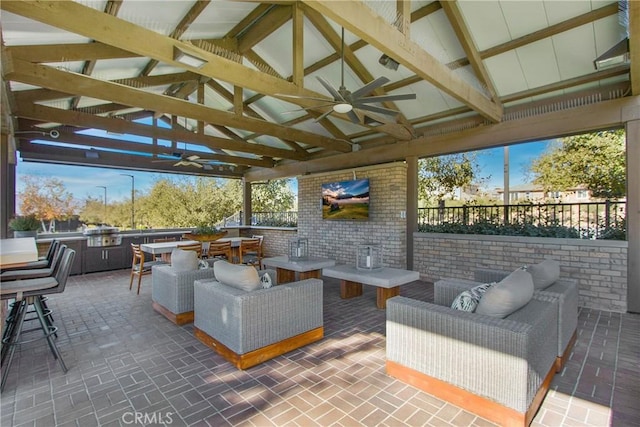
(346, 199)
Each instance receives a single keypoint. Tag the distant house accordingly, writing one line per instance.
(536, 194)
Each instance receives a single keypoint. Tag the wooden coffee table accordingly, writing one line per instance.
(386, 280)
(308, 268)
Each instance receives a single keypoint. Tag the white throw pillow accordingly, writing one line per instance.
(266, 281)
(510, 294)
(243, 277)
(468, 300)
(544, 274)
(182, 260)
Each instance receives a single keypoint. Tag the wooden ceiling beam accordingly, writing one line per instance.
(41, 153)
(183, 25)
(118, 32)
(151, 149)
(68, 52)
(452, 10)
(83, 120)
(267, 24)
(110, 8)
(634, 45)
(51, 78)
(363, 22)
(589, 118)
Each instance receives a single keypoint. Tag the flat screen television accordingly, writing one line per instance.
(346, 199)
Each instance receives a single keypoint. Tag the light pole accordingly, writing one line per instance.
(133, 210)
(104, 220)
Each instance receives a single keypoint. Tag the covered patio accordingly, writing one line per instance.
(253, 91)
(127, 359)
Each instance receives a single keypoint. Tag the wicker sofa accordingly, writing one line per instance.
(566, 290)
(499, 369)
(250, 327)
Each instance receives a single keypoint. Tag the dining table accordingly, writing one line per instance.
(159, 248)
(17, 252)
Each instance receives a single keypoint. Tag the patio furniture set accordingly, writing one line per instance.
(491, 345)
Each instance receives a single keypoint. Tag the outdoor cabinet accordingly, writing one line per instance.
(103, 259)
(76, 245)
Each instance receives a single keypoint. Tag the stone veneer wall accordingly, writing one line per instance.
(276, 239)
(338, 239)
(599, 266)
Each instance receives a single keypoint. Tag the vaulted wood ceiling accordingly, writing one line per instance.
(97, 82)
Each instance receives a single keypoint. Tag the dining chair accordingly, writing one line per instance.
(251, 252)
(220, 249)
(140, 267)
(192, 247)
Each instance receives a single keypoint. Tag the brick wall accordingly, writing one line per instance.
(599, 266)
(338, 239)
(276, 240)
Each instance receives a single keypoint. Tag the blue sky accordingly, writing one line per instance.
(83, 182)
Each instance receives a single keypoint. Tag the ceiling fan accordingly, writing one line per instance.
(345, 101)
(182, 159)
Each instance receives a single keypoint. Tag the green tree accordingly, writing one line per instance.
(596, 160)
(272, 196)
(439, 176)
(47, 199)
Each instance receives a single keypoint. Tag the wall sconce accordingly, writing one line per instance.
(187, 58)
(388, 62)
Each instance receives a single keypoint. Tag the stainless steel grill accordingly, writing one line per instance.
(103, 236)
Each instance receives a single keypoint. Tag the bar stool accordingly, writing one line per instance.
(41, 263)
(29, 292)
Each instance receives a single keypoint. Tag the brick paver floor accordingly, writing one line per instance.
(131, 366)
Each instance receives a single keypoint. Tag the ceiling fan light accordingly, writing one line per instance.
(342, 108)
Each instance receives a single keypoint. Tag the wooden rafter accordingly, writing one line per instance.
(83, 85)
(452, 10)
(363, 22)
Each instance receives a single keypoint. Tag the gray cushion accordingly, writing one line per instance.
(243, 277)
(544, 274)
(468, 300)
(508, 295)
(182, 260)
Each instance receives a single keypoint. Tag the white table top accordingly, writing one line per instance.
(18, 251)
(383, 278)
(168, 247)
(302, 266)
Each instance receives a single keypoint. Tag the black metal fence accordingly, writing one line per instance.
(593, 220)
(275, 219)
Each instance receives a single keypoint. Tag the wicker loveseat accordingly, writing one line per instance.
(247, 327)
(499, 369)
(566, 290)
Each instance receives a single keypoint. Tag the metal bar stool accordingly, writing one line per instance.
(28, 292)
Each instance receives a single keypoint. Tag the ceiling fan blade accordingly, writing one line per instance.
(336, 95)
(354, 117)
(302, 97)
(385, 98)
(323, 116)
(375, 109)
(192, 157)
(308, 108)
(369, 87)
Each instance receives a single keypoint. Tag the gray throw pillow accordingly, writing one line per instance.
(182, 260)
(243, 277)
(544, 274)
(468, 300)
(510, 294)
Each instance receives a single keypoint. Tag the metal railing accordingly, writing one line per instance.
(593, 220)
(275, 219)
